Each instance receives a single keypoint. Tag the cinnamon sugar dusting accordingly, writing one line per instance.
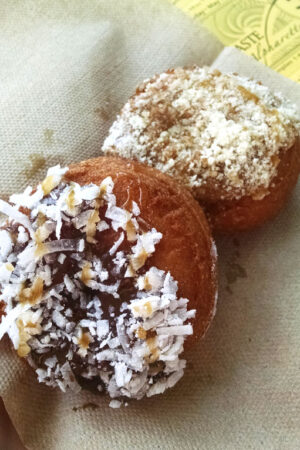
(248, 95)
(213, 131)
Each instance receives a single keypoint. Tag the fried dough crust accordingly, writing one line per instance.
(248, 213)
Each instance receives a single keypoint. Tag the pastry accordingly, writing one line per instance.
(107, 267)
(229, 139)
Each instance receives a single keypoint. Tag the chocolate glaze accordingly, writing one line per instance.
(109, 305)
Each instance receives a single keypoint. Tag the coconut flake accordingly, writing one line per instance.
(122, 374)
(65, 245)
(46, 275)
(68, 378)
(16, 215)
(22, 235)
(102, 328)
(69, 284)
(150, 239)
(61, 258)
(53, 178)
(182, 330)
(117, 244)
(6, 244)
(27, 199)
(170, 285)
(82, 219)
(118, 215)
(135, 209)
(106, 187)
(11, 316)
(145, 307)
(89, 192)
(58, 319)
(27, 255)
(51, 362)
(115, 404)
(5, 272)
(102, 225)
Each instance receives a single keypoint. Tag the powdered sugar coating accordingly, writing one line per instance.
(81, 315)
(215, 132)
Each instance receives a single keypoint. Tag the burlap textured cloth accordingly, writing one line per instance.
(66, 69)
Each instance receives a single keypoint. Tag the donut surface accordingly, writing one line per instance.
(102, 268)
(229, 139)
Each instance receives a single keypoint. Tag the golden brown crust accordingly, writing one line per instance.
(247, 213)
(186, 247)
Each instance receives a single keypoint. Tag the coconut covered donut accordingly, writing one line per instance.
(107, 267)
(229, 139)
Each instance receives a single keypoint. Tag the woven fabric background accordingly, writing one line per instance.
(66, 69)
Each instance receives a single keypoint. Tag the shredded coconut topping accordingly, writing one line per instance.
(212, 130)
(78, 295)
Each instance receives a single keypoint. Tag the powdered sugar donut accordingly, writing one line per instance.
(229, 139)
(106, 268)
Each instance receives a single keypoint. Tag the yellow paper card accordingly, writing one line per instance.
(267, 30)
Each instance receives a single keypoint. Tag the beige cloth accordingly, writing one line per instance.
(66, 69)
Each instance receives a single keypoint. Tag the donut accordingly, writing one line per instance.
(229, 139)
(108, 270)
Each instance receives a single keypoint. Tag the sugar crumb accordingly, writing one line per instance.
(212, 130)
